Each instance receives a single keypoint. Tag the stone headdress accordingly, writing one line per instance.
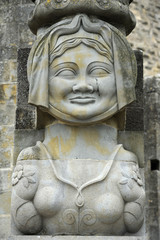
(115, 12)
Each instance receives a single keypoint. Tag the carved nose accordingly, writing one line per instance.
(83, 87)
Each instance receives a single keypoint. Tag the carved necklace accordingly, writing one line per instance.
(79, 200)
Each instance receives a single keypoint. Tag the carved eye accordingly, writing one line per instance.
(99, 72)
(66, 73)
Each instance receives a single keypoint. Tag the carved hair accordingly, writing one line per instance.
(102, 49)
(113, 41)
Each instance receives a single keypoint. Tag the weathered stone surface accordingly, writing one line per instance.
(134, 112)
(152, 155)
(6, 145)
(134, 142)
(8, 71)
(9, 118)
(23, 86)
(47, 13)
(138, 103)
(8, 93)
(146, 36)
(65, 145)
(25, 138)
(80, 77)
(25, 117)
(11, 16)
(104, 100)
(5, 227)
(5, 200)
(134, 119)
(74, 238)
(8, 53)
(5, 180)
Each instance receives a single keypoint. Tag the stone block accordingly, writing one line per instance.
(8, 71)
(6, 145)
(25, 138)
(5, 180)
(152, 154)
(26, 38)
(151, 123)
(7, 114)
(5, 200)
(9, 34)
(13, 13)
(8, 93)
(8, 53)
(23, 85)
(4, 2)
(25, 117)
(133, 141)
(134, 112)
(134, 119)
(4, 227)
(139, 84)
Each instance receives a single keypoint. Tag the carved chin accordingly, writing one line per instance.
(81, 118)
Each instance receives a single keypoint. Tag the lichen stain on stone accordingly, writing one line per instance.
(76, 112)
(48, 1)
(13, 93)
(7, 155)
(69, 144)
(5, 144)
(9, 176)
(5, 199)
(93, 140)
(54, 145)
(8, 93)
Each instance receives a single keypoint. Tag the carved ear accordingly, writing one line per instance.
(125, 70)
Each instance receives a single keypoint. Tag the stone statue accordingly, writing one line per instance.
(79, 180)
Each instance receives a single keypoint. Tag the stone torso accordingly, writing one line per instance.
(77, 196)
(67, 197)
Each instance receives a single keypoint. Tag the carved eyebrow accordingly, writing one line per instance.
(65, 65)
(98, 64)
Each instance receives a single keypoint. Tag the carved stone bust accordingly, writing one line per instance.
(70, 47)
(79, 180)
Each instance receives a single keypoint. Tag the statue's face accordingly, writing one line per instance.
(82, 83)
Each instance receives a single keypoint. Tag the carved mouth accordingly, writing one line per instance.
(82, 99)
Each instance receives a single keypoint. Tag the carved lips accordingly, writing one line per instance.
(82, 99)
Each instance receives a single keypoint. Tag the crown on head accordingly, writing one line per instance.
(115, 12)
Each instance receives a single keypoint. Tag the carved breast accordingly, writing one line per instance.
(81, 208)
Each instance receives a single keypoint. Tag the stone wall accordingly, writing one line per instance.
(14, 35)
(146, 35)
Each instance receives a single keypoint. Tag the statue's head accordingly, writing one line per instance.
(81, 71)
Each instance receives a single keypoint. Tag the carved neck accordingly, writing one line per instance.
(89, 142)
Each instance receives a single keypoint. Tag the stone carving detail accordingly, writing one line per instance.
(19, 173)
(103, 4)
(79, 180)
(58, 4)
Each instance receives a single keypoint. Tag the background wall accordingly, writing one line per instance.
(14, 34)
(146, 35)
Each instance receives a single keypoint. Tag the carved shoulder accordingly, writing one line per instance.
(29, 153)
(125, 155)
